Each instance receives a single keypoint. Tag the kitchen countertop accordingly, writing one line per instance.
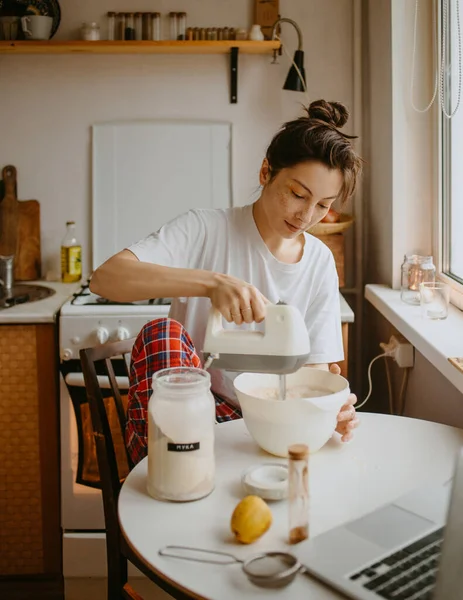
(347, 314)
(41, 311)
(44, 311)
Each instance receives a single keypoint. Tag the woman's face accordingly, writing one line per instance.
(298, 197)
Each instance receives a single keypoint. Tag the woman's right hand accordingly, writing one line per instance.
(239, 302)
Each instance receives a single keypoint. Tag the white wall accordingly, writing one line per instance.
(50, 102)
(402, 145)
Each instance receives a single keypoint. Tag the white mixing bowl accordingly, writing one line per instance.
(277, 424)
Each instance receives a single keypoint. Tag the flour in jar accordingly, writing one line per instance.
(179, 471)
(292, 392)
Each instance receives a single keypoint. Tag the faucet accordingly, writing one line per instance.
(6, 276)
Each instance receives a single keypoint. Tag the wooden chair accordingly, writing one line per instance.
(100, 365)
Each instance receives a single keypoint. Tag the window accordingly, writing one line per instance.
(450, 250)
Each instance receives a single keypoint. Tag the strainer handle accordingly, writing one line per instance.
(182, 553)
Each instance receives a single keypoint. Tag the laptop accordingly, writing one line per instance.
(410, 549)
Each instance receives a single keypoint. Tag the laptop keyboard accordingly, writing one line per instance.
(409, 574)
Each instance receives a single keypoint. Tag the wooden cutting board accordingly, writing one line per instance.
(20, 229)
(9, 214)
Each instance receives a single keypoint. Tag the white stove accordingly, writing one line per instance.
(88, 320)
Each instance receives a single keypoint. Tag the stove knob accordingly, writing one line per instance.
(66, 354)
(122, 334)
(102, 335)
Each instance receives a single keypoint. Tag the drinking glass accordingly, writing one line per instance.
(434, 300)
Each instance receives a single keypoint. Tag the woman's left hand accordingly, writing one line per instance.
(347, 417)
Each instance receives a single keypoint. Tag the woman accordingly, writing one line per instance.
(240, 259)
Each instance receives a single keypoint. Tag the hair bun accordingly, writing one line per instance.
(333, 113)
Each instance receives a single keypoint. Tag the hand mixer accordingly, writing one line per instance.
(283, 347)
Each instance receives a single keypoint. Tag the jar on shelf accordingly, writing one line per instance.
(129, 27)
(241, 34)
(138, 18)
(121, 26)
(181, 25)
(298, 493)
(156, 26)
(146, 26)
(181, 424)
(90, 32)
(111, 25)
(173, 26)
(416, 269)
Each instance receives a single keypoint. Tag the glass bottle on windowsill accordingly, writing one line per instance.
(416, 269)
(71, 255)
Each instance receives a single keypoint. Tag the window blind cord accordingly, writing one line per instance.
(412, 79)
(445, 32)
(439, 78)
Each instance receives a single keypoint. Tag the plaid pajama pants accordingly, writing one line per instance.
(161, 344)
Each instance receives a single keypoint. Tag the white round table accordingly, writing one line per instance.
(387, 457)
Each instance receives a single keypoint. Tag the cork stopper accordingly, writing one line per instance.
(298, 451)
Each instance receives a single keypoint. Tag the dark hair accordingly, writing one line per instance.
(316, 137)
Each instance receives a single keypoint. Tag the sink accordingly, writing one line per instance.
(23, 293)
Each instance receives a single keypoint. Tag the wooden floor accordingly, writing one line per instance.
(95, 589)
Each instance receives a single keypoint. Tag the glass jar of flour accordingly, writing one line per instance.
(181, 418)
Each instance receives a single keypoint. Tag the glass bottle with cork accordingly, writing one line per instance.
(71, 255)
(298, 493)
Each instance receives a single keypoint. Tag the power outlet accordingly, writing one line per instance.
(400, 350)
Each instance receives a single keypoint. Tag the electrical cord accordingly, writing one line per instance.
(389, 385)
(369, 378)
(403, 388)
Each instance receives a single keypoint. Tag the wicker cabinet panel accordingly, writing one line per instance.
(30, 530)
(21, 537)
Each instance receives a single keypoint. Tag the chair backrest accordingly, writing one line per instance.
(94, 362)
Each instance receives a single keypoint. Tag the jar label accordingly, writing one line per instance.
(182, 447)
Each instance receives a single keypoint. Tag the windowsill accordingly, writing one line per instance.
(437, 341)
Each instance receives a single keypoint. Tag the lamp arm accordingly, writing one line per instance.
(294, 24)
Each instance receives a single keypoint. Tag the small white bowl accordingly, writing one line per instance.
(277, 424)
(269, 481)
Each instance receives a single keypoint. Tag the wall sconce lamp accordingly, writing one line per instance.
(295, 80)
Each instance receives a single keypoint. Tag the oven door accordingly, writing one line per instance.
(82, 505)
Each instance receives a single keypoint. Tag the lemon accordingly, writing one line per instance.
(251, 519)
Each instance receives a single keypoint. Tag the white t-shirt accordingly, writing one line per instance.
(228, 241)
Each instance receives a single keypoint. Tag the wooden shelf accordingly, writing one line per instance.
(137, 47)
(230, 47)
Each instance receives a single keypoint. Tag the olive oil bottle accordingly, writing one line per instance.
(71, 255)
